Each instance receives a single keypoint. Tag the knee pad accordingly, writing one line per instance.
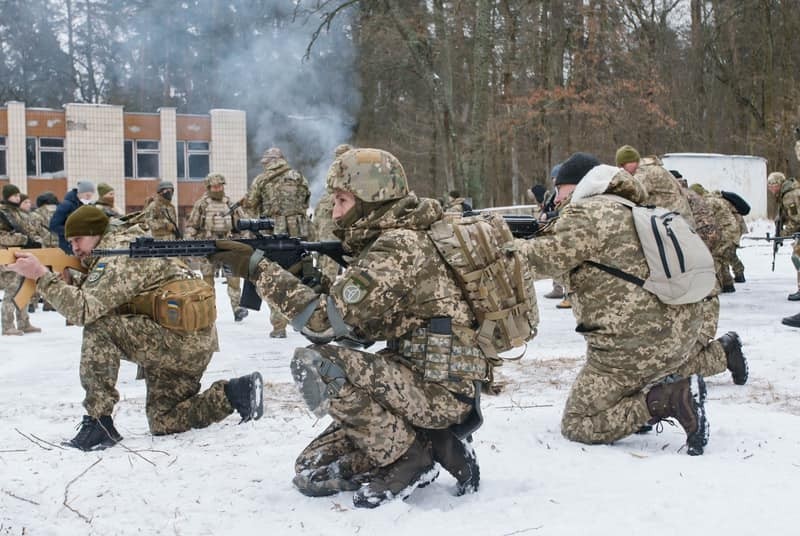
(318, 379)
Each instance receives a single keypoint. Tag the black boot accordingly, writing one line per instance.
(793, 321)
(728, 288)
(400, 478)
(458, 458)
(795, 296)
(737, 363)
(95, 434)
(739, 278)
(683, 400)
(246, 395)
(347, 473)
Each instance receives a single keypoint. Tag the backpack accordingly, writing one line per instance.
(496, 281)
(681, 267)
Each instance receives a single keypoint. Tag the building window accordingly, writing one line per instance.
(3, 168)
(193, 160)
(44, 157)
(141, 159)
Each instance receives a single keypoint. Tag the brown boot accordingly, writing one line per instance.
(564, 304)
(400, 478)
(684, 401)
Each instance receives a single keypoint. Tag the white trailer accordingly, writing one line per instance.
(745, 175)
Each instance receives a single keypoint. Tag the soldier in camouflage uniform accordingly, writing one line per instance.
(46, 204)
(280, 193)
(397, 287)
(105, 200)
(787, 196)
(323, 225)
(159, 214)
(15, 230)
(634, 341)
(730, 234)
(213, 216)
(118, 306)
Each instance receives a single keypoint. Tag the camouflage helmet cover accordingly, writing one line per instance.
(776, 177)
(214, 179)
(271, 154)
(369, 174)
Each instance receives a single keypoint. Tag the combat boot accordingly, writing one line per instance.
(683, 400)
(347, 473)
(240, 314)
(556, 294)
(400, 478)
(564, 304)
(739, 278)
(728, 288)
(795, 296)
(736, 362)
(278, 334)
(12, 331)
(95, 434)
(458, 458)
(246, 395)
(31, 329)
(793, 321)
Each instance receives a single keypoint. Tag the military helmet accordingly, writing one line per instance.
(341, 149)
(214, 179)
(273, 153)
(371, 175)
(776, 177)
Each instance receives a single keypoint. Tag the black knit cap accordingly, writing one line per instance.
(46, 198)
(574, 168)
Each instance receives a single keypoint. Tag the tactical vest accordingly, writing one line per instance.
(216, 220)
(183, 305)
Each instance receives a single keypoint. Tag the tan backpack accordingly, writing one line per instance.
(494, 277)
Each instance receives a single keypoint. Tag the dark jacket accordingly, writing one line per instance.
(64, 209)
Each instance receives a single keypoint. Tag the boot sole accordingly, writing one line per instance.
(696, 441)
(743, 379)
(256, 396)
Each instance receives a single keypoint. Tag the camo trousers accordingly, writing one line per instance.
(233, 284)
(9, 283)
(378, 407)
(607, 399)
(707, 357)
(723, 266)
(173, 365)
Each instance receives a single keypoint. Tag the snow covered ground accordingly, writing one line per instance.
(236, 479)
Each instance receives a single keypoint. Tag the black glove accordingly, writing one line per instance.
(32, 244)
(234, 255)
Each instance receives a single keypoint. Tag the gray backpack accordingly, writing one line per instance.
(681, 267)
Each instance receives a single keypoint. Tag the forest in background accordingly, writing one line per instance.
(483, 96)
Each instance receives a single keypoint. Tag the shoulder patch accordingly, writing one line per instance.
(356, 287)
(96, 273)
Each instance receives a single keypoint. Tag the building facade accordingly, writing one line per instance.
(49, 149)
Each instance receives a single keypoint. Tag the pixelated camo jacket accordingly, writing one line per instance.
(612, 314)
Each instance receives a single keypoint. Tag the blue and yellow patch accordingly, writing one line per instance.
(96, 273)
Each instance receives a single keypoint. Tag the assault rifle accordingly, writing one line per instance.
(282, 249)
(521, 226)
(54, 258)
(777, 241)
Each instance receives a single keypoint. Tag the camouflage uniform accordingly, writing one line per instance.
(280, 193)
(788, 200)
(662, 188)
(633, 339)
(40, 218)
(161, 219)
(109, 209)
(730, 234)
(9, 281)
(212, 218)
(395, 285)
(173, 361)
